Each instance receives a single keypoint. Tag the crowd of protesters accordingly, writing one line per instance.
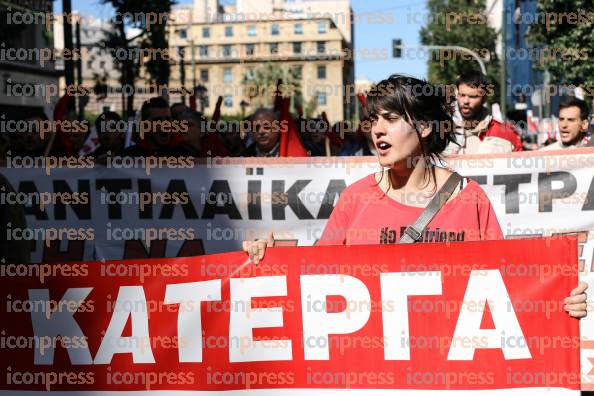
(163, 129)
(177, 130)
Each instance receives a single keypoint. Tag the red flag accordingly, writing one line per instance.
(61, 107)
(363, 101)
(332, 135)
(193, 101)
(290, 144)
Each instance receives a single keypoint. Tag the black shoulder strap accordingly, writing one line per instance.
(414, 232)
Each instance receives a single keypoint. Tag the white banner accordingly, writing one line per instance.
(133, 208)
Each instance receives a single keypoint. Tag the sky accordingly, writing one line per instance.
(377, 23)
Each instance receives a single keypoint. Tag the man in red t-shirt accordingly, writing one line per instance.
(477, 131)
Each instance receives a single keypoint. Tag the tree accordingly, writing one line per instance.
(132, 30)
(156, 40)
(260, 85)
(117, 40)
(310, 107)
(461, 23)
(101, 87)
(565, 48)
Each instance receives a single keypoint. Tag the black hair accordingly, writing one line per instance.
(575, 102)
(107, 115)
(178, 104)
(158, 102)
(420, 104)
(474, 79)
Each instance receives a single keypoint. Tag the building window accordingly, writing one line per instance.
(250, 49)
(322, 99)
(228, 101)
(296, 48)
(228, 31)
(321, 72)
(203, 50)
(183, 33)
(206, 32)
(252, 30)
(227, 50)
(204, 75)
(89, 64)
(102, 65)
(322, 27)
(298, 28)
(321, 46)
(227, 76)
(275, 29)
(250, 73)
(274, 48)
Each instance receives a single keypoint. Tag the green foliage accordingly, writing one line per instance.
(261, 84)
(151, 34)
(101, 86)
(233, 117)
(156, 40)
(90, 118)
(115, 38)
(574, 39)
(461, 23)
(310, 107)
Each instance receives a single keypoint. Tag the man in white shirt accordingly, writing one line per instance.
(573, 125)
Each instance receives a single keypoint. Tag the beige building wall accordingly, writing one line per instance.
(226, 73)
(205, 10)
(337, 10)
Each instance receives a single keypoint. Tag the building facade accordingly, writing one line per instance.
(27, 78)
(230, 47)
(525, 84)
(100, 74)
(524, 81)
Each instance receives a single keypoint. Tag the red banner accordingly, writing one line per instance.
(453, 316)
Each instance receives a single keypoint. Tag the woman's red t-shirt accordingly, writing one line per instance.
(365, 215)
